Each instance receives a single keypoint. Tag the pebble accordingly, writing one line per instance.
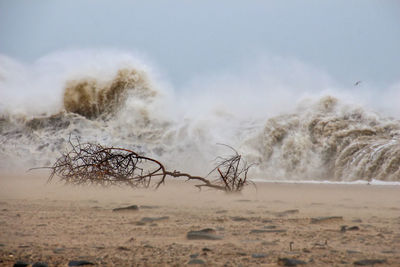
(259, 255)
(369, 262)
(80, 263)
(326, 219)
(132, 207)
(290, 262)
(153, 219)
(344, 228)
(204, 234)
(40, 264)
(258, 231)
(149, 207)
(20, 264)
(239, 219)
(196, 261)
(58, 250)
(286, 212)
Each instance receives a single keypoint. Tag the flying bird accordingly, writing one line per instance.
(357, 83)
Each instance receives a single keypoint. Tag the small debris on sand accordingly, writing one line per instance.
(204, 234)
(132, 207)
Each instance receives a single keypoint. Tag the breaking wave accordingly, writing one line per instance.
(329, 141)
(124, 105)
(91, 99)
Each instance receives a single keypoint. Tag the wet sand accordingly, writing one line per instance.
(321, 225)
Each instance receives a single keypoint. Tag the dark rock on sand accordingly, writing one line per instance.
(258, 231)
(58, 250)
(80, 263)
(132, 207)
(196, 261)
(290, 262)
(204, 234)
(40, 264)
(353, 228)
(326, 219)
(345, 228)
(20, 264)
(149, 207)
(153, 219)
(239, 219)
(369, 262)
(286, 212)
(259, 255)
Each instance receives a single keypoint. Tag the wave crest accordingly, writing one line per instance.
(93, 99)
(329, 141)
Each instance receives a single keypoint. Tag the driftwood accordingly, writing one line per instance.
(90, 163)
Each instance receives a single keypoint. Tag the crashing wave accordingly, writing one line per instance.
(329, 141)
(91, 98)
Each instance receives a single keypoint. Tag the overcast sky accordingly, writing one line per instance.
(350, 40)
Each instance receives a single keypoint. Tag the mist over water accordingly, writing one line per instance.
(290, 119)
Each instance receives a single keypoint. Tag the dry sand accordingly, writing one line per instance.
(56, 224)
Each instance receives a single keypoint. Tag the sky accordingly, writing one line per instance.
(349, 40)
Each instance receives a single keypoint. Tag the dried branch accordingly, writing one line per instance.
(91, 163)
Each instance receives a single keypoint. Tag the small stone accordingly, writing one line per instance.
(206, 250)
(153, 219)
(196, 261)
(20, 264)
(123, 248)
(258, 231)
(266, 221)
(40, 264)
(353, 228)
(80, 263)
(239, 219)
(58, 250)
(349, 251)
(149, 207)
(326, 219)
(290, 262)
(369, 262)
(344, 228)
(259, 255)
(204, 234)
(132, 207)
(286, 212)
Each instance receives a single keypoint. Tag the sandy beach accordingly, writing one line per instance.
(271, 224)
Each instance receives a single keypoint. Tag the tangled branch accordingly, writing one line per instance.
(90, 163)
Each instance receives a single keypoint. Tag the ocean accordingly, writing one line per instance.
(119, 101)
